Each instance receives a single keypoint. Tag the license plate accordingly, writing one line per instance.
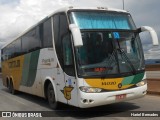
(120, 97)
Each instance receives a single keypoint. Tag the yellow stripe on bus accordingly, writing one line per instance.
(13, 69)
(108, 84)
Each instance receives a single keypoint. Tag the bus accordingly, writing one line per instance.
(80, 56)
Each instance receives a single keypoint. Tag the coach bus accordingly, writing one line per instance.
(83, 57)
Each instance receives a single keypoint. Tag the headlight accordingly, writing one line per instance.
(90, 89)
(142, 83)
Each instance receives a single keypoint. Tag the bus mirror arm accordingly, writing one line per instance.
(77, 38)
(152, 33)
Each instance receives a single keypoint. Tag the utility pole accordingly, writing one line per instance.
(123, 4)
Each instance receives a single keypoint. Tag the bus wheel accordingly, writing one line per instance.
(11, 88)
(51, 97)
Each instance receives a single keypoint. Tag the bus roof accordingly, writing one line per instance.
(65, 9)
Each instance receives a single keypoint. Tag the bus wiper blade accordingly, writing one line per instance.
(127, 59)
(111, 60)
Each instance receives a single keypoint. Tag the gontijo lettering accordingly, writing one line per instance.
(14, 64)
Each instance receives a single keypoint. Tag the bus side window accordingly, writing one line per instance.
(47, 34)
(68, 55)
(67, 51)
(63, 45)
(17, 47)
(56, 29)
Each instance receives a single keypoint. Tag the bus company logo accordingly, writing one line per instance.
(67, 92)
(47, 61)
(14, 64)
(120, 85)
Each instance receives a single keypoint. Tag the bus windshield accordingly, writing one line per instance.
(113, 48)
(102, 20)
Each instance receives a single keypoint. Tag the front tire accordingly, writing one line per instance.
(51, 97)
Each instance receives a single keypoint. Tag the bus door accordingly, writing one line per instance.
(66, 85)
(60, 84)
(70, 89)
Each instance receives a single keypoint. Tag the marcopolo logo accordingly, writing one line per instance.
(120, 85)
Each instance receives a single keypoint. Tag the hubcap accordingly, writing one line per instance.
(51, 96)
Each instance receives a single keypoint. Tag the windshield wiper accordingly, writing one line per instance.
(121, 51)
(113, 58)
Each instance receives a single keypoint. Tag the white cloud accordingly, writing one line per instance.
(15, 18)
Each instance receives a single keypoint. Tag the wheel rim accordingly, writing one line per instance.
(51, 96)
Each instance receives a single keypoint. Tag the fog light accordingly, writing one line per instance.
(85, 101)
(91, 101)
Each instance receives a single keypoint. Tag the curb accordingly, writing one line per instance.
(153, 93)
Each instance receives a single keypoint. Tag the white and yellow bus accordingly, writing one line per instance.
(83, 57)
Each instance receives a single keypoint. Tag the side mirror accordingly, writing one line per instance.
(77, 38)
(152, 33)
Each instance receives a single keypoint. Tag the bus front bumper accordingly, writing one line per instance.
(97, 99)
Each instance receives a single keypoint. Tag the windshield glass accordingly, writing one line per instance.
(111, 45)
(102, 20)
(108, 53)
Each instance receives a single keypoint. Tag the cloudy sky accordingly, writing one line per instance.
(18, 15)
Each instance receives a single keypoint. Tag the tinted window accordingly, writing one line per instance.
(25, 42)
(4, 54)
(56, 29)
(9, 51)
(12, 50)
(37, 38)
(63, 43)
(17, 47)
(68, 55)
(31, 41)
(58, 46)
(47, 34)
(63, 25)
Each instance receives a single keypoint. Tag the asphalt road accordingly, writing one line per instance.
(26, 102)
